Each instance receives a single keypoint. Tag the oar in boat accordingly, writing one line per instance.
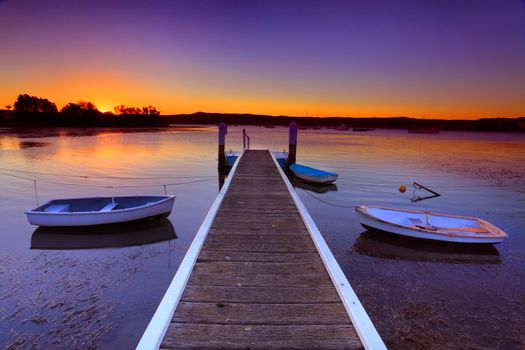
(463, 229)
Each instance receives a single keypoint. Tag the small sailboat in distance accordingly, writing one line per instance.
(422, 129)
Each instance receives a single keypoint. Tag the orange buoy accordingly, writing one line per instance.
(402, 189)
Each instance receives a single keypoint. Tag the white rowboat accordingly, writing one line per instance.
(421, 224)
(99, 210)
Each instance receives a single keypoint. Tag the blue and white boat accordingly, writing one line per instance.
(99, 210)
(312, 175)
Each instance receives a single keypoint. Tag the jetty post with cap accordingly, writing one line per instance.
(292, 144)
(223, 130)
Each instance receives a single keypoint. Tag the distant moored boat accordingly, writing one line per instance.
(424, 131)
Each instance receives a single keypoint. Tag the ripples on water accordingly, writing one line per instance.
(418, 294)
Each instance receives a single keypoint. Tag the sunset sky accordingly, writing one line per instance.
(447, 59)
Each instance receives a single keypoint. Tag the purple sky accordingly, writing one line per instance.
(463, 58)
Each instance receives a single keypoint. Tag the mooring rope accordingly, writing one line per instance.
(107, 177)
(104, 186)
(326, 202)
(512, 227)
(101, 186)
(36, 193)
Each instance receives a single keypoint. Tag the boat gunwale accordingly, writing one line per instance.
(495, 232)
(97, 212)
(323, 172)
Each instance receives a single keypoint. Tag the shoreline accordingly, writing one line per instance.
(41, 120)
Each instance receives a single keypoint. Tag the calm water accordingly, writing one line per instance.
(83, 290)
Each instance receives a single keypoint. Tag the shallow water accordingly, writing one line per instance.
(80, 292)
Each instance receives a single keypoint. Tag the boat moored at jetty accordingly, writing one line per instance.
(99, 210)
(427, 225)
(313, 175)
(321, 187)
(232, 156)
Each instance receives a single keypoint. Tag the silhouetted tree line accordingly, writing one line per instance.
(35, 111)
(123, 110)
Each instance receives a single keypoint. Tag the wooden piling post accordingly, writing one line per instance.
(292, 144)
(223, 130)
(222, 176)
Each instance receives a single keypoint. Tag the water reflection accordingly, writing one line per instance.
(412, 303)
(223, 173)
(313, 187)
(388, 246)
(116, 235)
(56, 132)
(29, 144)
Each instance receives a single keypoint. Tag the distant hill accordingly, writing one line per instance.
(486, 124)
(8, 118)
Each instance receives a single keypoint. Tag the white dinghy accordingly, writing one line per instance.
(421, 224)
(99, 210)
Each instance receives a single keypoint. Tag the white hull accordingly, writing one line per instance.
(318, 179)
(477, 231)
(88, 218)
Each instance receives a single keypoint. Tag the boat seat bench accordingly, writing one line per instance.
(417, 222)
(109, 206)
(57, 208)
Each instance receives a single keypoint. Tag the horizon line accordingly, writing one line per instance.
(316, 117)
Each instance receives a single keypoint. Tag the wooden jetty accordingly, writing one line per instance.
(259, 275)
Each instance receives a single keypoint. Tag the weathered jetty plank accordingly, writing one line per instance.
(260, 295)
(218, 336)
(259, 281)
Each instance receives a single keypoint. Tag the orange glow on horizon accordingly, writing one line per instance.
(327, 60)
(107, 90)
(103, 107)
